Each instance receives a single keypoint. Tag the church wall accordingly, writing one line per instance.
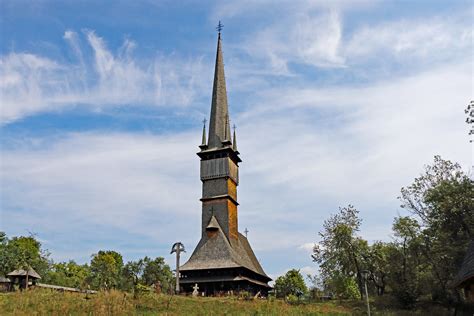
(232, 188)
(214, 187)
(219, 167)
(232, 218)
(219, 208)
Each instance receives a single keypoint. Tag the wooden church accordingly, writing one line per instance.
(223, 260)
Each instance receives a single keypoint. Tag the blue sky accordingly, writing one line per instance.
(335, 102)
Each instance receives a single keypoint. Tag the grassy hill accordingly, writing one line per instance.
(47, 302)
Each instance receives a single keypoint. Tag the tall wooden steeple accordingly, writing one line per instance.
(223, 259)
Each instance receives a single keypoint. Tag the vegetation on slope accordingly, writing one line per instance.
(114, 302)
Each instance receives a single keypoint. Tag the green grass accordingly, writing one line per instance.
(47, 302)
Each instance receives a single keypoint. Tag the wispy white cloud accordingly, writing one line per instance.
(314, 34)
(86, 181)
(306, 37)
(31, 83)
(424, 40)
(308, 33)
(234, 9)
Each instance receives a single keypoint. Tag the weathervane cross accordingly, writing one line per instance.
(246, 231)
(204, 121)
(219, 27)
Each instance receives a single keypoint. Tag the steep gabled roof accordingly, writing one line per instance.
(467, 268)
(244, 244)
(218, 252)
(212, 253)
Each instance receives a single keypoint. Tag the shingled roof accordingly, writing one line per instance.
(466, 271)
(4, 280)
(218, 252)
(20, 272)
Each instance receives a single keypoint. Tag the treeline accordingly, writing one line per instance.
(426, 250)
(106, 269)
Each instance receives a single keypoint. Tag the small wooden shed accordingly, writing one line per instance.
(465, 277)
(20, 277)
(5, 284)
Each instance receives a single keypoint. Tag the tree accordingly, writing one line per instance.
(340, 254)
(413, 197)
(290, 283)
(378, 263)
(4, 256)
(22, 253)
(450, 229)
(406, 270)
(316, 288)
(157, 270)
(132, 273)
(342, 286)
(106, 269)
(68, 274)
(443, 200)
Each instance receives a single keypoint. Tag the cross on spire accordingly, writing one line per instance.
(204, 121)
(219, 27)
(219, 130)
(246, 231)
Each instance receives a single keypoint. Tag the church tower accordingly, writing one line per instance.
(223, 259)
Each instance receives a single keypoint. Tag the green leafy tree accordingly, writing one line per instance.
(342, 286)
(106, 269)
(407, 270)
(4, 256)
(442, 198)
(155, 270)
(291, 283)
(69, 274)
(132, 273)
(378, 263)
(22, 253)
(341, 252)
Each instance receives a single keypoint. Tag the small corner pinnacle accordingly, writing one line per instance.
(204, 140)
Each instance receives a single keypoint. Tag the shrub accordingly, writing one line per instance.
(290, 283)
(292, 299)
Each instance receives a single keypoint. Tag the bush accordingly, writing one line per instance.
(290, 283)
(246, 295)
(343, 286)
(406, 296)
(292, 299)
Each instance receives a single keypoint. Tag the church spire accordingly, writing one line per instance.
(218, 124)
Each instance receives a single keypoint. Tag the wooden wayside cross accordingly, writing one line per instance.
(177, 247)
